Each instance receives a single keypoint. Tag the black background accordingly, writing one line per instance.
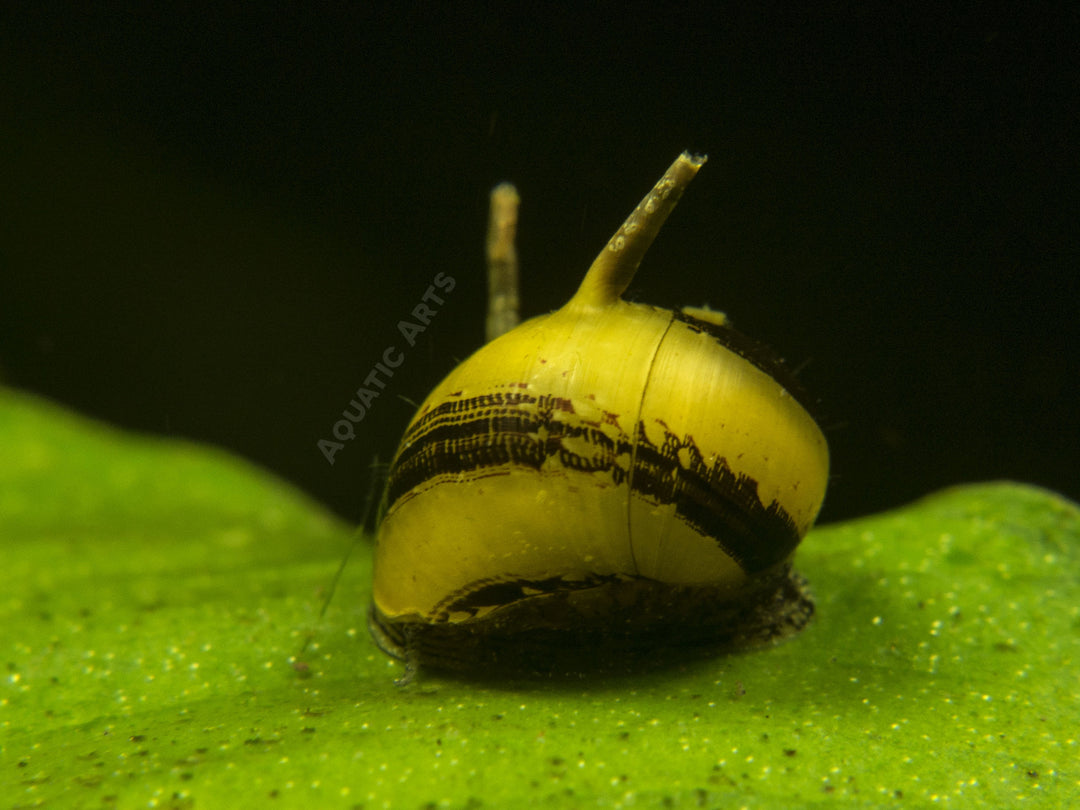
(211, 221)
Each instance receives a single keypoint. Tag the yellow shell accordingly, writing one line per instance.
(611, 473)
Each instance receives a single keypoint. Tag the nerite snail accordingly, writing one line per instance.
(602, 479)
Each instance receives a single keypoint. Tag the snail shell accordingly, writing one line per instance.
(602, 479)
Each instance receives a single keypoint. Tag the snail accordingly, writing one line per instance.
(598, 483)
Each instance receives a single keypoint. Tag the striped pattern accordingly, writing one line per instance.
(484, 436)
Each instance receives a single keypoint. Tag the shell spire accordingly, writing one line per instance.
(613, 270)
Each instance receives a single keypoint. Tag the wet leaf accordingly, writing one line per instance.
(154, 596)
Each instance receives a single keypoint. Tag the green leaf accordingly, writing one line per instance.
(154, 595)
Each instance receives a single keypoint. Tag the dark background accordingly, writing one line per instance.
(211, 221)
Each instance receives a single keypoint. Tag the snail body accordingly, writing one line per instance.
(608, 476)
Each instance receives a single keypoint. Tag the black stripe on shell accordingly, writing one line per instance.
(715, 500)
(487, 435)
(497, 592)
(757, 354)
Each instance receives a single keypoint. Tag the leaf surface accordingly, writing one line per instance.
(154, 595)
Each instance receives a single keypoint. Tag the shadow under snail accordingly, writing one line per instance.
(599, 484)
